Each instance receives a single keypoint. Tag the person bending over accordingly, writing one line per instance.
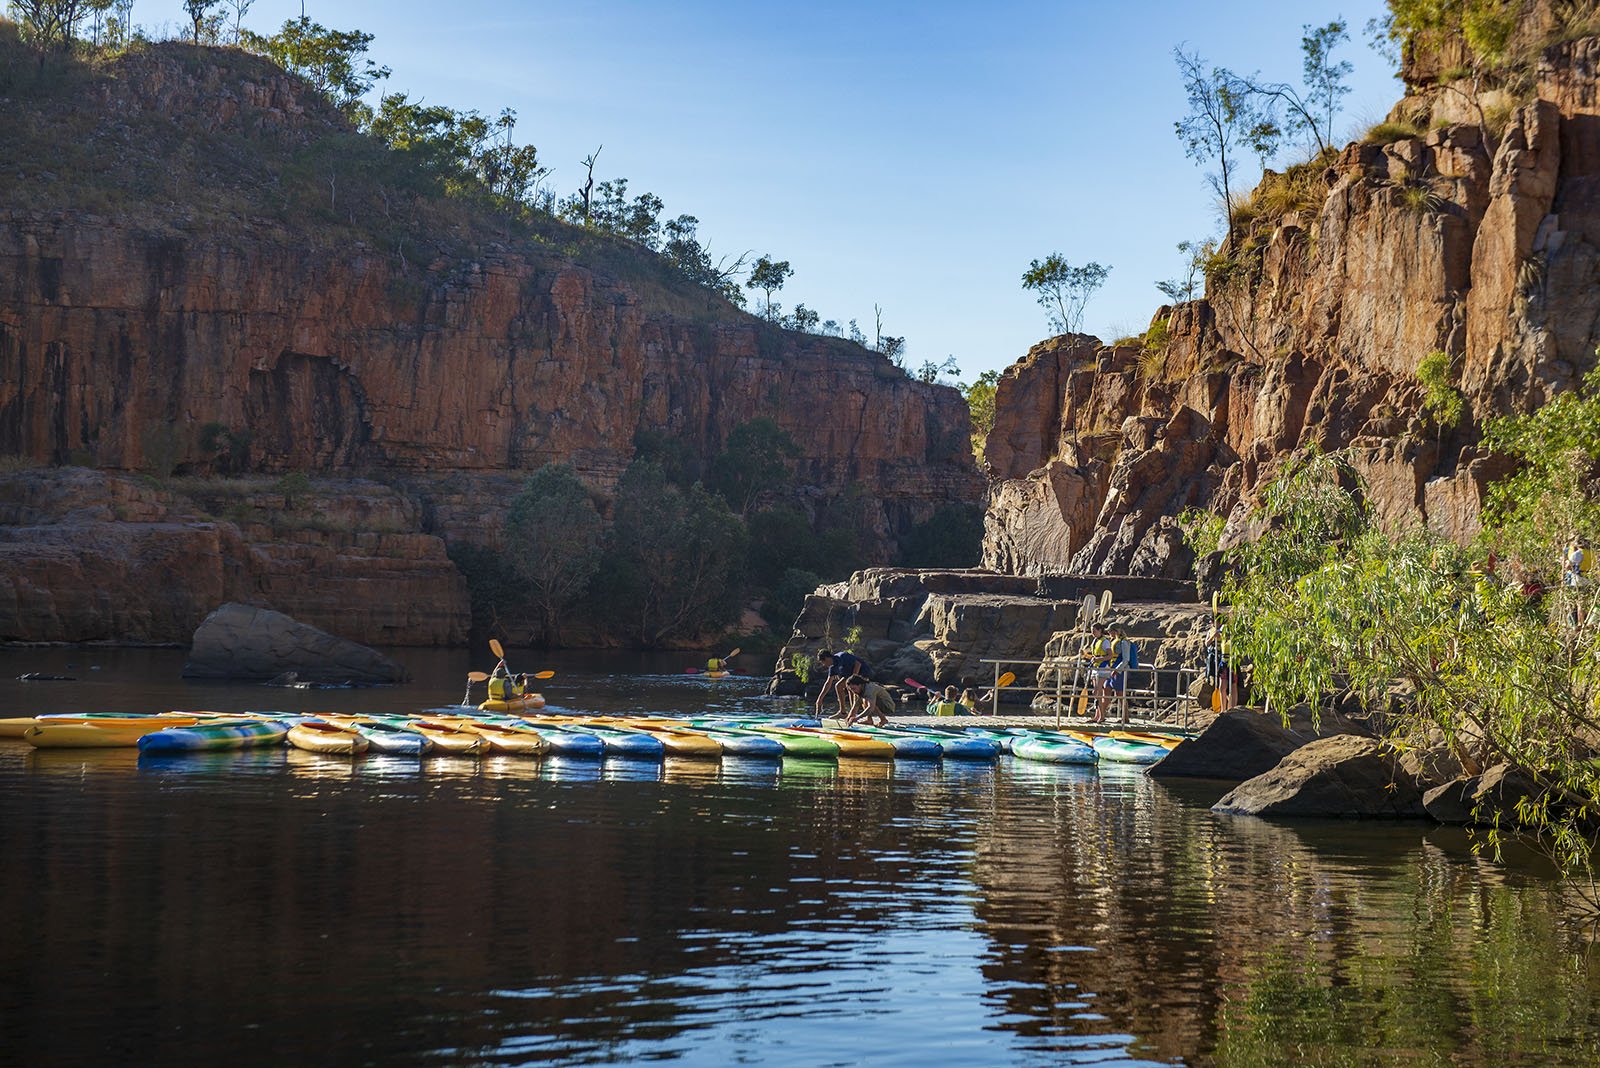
(840, 666)
(870, 700)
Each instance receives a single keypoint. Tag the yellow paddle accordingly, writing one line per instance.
(1005, 680)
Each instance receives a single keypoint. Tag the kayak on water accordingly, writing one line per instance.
(216, 734)
(97, 734)
(679, 740)
(1167, 741)
(568, 742)
(1119, 751)
(619, 743)
(513, 704)
(958, 745)
(853, 743)
(908, 745)
(1050, 747)
(389, 738)
(315, 736)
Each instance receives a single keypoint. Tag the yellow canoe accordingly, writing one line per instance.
(853, 744)
(516, 704)
(316, 737)
(679, 741)
(448, 738)
(97, 733)
(13, 726)
(1168, 741)
(504, 739)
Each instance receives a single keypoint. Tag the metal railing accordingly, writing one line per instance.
(1074, 680)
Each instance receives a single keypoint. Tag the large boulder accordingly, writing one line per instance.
(1346, 775)
(1238, 744)
(244, 642)
(1490, 798)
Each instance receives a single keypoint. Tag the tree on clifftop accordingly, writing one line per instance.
(768, 275)
(331, 60)
(197, 10)
(1063, 290)
(1220, 123)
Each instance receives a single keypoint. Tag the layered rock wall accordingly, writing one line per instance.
(1479, 242)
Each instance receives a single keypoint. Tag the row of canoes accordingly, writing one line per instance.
(468, 731)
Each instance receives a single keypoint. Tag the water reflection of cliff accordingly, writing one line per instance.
(1110, 905)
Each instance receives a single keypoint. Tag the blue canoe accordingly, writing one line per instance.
(1052, 748)
(227, 734)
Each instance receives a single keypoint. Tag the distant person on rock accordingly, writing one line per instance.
(869, 700)
(840, 667)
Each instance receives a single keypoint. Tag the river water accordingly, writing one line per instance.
(278, 908)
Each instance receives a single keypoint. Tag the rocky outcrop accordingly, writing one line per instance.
(1470, 239)
(246, 643)
(1346, 775)
(90, 556)
(946, 627)
(1238, 744)
(1490, 798)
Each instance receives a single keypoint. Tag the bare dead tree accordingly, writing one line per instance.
(587, 192)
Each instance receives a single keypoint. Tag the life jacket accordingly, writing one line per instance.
(1102, 648)
(714, 665)
(1584, 559)
(503, 688)
(945, 708)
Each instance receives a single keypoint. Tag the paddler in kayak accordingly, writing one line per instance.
(868, 699)
(503, 687)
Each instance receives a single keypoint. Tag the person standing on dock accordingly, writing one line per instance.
(841, 667)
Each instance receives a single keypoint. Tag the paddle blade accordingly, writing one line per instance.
(496, 648)
(914, 684)
(731, 655)
(477, 676)
(1006, 680)
(1086, 613)
(1105, 603)
(543, 675)
(1216, 700)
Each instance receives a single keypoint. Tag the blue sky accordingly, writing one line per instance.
(915, 156)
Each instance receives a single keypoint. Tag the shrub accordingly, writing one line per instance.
(1441, 400)
(1387, 133)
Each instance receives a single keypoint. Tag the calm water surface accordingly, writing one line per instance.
(275, 908)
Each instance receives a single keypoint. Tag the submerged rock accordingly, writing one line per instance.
(244, 642)
(1487, 799)
(1344, 775)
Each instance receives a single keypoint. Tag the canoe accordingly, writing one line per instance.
(679, 741)
(1052, 749)
(13, 726)
(568, 743)
(215, 734)
(503, 738)
(620, 743)
(316, 737)
(1120, 751)
(389, 738)
(102, 735)
(446, 737)
(795, 743)
(515, 704)
(853, 743)
(908, 745)
(958, 745)
(1166, 741)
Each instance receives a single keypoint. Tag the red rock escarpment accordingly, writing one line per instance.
(1479, 246)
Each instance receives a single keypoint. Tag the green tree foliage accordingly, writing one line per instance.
(782, 606)
(1063, 290)
(980, 402)
(1441, 400)
(1326, 599)
(464, 152)
(682, 248)
(678, 462)
(333, 61)
(951, 537)
(930, 372)
(553, 543)
(1553, 491)
(756, 459)
(49, 25)
(1309, 110)
(1188, 287)
(675, 559)
(226, 451)
(768, 275)
(197, 10)
(1485, 25)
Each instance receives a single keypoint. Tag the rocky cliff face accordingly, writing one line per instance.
(458, 361)
(1474, 239)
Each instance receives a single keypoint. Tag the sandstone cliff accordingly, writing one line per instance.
(1479, 239)
(198, 239)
